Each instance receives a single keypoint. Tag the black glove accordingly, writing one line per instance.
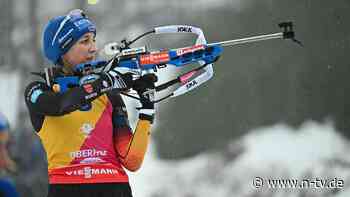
(145, 88)
(119, 80)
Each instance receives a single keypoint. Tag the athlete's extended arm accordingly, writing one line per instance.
(41, 99)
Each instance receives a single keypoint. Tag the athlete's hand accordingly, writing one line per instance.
(145, 87)
(119, 80)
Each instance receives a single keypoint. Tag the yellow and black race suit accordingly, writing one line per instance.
(86, 146)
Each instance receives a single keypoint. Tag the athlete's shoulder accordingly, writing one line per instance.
(40, 78)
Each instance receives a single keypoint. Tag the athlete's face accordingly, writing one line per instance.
(84, 50)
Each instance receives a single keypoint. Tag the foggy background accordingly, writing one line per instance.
(273, 108)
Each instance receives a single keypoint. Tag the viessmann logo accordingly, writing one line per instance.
(88, 172)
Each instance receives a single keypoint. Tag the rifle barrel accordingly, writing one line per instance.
(249, 39)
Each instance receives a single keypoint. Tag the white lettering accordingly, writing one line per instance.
(87, 172)
(65, 36)
(88, 153)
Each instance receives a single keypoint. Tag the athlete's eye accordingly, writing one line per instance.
(84, 41)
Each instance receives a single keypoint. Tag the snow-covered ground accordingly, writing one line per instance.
(313, 151)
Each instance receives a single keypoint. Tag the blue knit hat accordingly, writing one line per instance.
(62, 32)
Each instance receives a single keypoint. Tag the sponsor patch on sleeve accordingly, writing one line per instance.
(35, 94)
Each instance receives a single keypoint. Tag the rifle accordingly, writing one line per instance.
(141, 61)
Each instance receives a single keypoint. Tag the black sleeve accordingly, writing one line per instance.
(40, 98)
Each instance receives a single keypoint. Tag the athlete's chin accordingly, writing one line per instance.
(85, 60)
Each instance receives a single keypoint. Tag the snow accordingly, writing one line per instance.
(285, 146)
(312, 151)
